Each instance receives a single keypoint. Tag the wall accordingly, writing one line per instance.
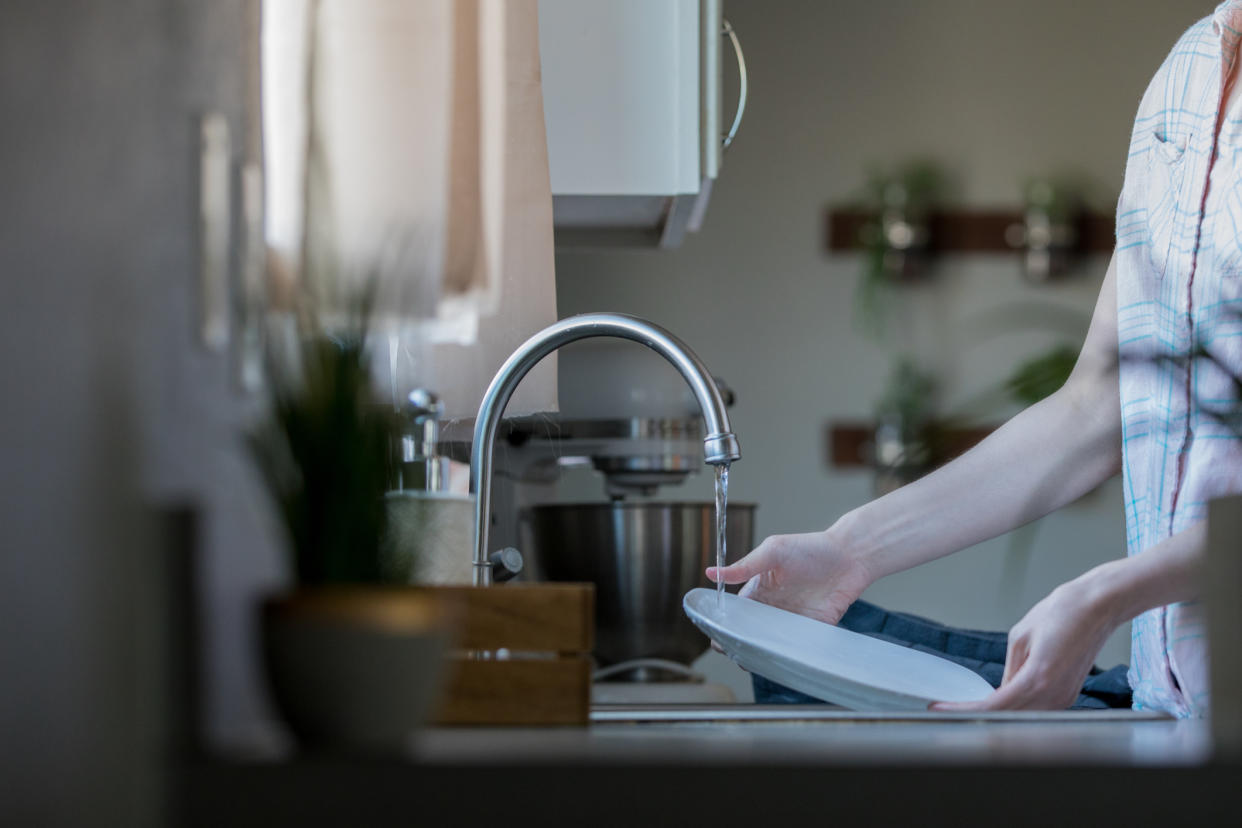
(996, 90)
(111, 411)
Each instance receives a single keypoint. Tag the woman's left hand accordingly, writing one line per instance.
(1050, 651)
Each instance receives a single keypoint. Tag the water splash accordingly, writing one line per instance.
(722, 505)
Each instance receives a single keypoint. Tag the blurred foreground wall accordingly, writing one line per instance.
(112, 415)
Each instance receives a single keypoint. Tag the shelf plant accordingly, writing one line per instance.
(1040, 376)
(895, 243)
(905, 433)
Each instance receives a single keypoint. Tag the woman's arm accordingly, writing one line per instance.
(1046, 456)
(1052, 648)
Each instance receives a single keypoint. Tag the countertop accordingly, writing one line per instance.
(814, 736)
(1041, 769)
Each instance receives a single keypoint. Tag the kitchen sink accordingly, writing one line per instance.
(686, 713)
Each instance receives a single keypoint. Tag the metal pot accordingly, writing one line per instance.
(642, 558)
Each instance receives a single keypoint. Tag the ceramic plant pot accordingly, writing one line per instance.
(355, 668)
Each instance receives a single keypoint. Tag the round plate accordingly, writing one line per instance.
(827, 662)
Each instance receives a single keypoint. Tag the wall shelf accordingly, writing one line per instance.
(965, 231)
(848, 443)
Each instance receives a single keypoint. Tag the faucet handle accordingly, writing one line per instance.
(506, 564)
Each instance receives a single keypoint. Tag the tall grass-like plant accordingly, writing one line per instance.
(323, 452)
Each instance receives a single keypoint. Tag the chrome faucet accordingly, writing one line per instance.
(720, 447)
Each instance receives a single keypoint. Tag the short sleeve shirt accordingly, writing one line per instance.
(1179, 316)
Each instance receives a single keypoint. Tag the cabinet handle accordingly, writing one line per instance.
(215, 220)
(727, 31)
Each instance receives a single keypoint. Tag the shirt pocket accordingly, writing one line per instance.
(1166, 176)
(1227, 231)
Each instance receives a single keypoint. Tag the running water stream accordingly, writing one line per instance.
(722, 505)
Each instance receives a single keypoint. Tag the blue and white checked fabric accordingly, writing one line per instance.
(1179, 288)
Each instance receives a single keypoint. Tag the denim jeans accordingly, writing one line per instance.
(982, 652)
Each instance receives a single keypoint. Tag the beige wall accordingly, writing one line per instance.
(996, 90)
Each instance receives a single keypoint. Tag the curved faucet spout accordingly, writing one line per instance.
(720, 447)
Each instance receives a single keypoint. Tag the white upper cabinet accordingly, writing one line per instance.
(631, 101)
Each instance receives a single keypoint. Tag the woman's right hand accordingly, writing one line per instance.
(807, 574)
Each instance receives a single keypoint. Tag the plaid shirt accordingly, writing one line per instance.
(1179, 292)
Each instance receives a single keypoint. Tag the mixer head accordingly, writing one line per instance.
(635, 456)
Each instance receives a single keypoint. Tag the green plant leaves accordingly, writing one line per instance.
(1042, 376)
(324, 455)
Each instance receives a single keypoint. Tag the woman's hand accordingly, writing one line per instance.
(807, 574)
(1051, 650)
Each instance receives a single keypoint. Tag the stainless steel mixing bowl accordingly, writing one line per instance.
(642, 558)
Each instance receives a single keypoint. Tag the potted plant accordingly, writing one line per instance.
(354, 658)
(1049, 233)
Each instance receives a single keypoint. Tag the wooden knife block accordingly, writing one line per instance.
(548, 631)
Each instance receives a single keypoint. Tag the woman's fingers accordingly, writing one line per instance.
(1030, 687)
(1014, 691)
(748, 589)
(1020, 688)
(1012, 696)
(741, 571)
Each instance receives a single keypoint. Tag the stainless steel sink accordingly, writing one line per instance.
(673, 713)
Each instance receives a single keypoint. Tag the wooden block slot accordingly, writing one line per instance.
(548, 631)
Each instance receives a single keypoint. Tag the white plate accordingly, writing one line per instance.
(827, 662)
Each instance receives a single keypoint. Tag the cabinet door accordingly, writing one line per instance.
(621, 96)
